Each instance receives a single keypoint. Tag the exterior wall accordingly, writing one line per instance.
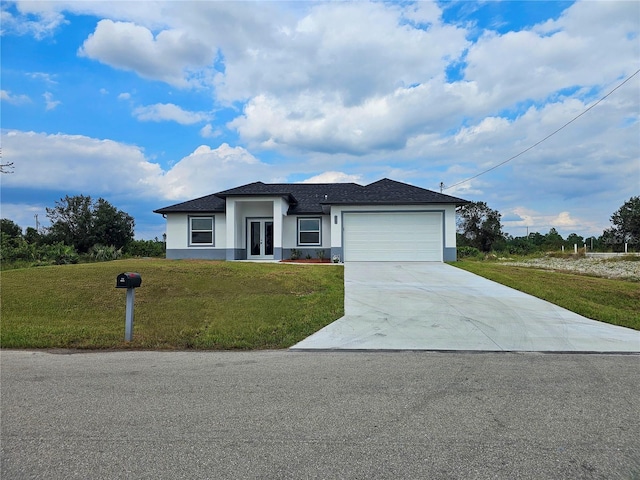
(290, 237)
(449, 226)
(178, 237)
(200, 254)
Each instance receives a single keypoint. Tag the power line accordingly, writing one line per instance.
(545, 138)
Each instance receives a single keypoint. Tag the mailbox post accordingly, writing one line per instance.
(130, 281)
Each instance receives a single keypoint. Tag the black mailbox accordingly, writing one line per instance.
(128, 280)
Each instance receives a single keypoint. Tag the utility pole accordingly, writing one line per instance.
(441, 186)
(37, 223)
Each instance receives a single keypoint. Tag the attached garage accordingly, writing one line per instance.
(393, 236)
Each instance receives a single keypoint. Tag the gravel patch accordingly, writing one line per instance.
(622, 269)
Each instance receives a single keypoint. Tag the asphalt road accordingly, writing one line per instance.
(322, 415)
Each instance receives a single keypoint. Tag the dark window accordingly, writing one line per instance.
(201, 230)
(309, 231)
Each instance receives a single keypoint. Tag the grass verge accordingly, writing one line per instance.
(181, 305)
(607, 300)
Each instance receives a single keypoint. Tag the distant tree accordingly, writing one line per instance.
(71, 221)
(626, 223)
(111, 226)
(31, 235)
(536, 238)
(574, 239)
(553, 240)
(480, 226)
(10, 228)
(79, 222)
(520, 246)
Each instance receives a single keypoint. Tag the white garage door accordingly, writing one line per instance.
(387, 236)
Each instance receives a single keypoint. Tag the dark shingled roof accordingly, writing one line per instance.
(314, 198)
(210, 203)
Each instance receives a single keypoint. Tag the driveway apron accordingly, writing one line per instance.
(434, 306)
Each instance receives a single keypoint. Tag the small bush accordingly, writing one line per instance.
(102, 253)
(60, 254)
(466, 252)
(145, 248)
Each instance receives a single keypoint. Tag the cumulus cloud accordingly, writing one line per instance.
(161, 112)
(208, 170)
(328, 50)
(170, 56)
(322, 122)
(574, 50)
(76, 163)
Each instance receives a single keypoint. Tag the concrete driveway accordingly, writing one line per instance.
(434, 306)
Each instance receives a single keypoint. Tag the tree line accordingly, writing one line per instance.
(480, 230)
(81, 228)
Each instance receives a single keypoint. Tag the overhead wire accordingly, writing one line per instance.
(545, 138)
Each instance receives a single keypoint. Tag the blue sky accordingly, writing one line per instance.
(150, 103)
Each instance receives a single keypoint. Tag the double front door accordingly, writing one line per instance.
(260, 238)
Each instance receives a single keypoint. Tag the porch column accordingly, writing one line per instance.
(231, 229)
(279, 210)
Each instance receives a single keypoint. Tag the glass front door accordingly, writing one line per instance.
(260, 239)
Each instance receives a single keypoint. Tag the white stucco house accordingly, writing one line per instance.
(383, 221)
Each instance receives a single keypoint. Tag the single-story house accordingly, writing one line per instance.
(384, 221)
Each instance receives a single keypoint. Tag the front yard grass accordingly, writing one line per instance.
(607, 300)
(180, 305)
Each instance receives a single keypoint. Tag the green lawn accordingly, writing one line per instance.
(603, 299)
(235, 305)
(181, 305)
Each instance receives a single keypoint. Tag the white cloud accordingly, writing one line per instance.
(169, 112)
(355, 50)
(124, 96)
(7, 96)
(575, 50)
(322, 122)
(170, 56)
(334, 177)
(519, 220)
(39, 19)
(46, 78)
(209, 132)
(208, 170)
(50, 103)
(76, 163)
